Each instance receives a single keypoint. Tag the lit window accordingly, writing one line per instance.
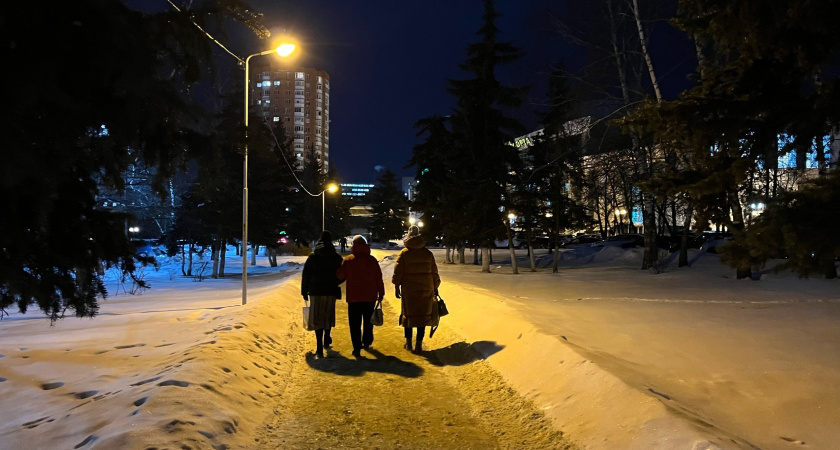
(276, 119)
(277, 83)
(259, 84)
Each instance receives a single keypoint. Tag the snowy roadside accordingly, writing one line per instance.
(185, 363)
(180, 364)
(594, 408)
(747, 364)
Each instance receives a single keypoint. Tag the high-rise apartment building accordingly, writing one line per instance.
(299, 98)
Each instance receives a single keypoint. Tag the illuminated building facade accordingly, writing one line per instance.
(299, 98)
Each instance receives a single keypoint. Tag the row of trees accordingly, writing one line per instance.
(105, 111)
(765, 74)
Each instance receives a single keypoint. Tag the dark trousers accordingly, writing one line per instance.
(361, 330)
(421, 333)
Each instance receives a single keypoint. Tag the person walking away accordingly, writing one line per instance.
(416, 282)
(320, 285)
(343, 242)
(364, 288)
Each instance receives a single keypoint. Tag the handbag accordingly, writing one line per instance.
(442, 309)
(377, 318)
(306, 325)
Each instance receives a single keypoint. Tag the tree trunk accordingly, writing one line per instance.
(745, 269)
(513, 263)
(485, 259)
(683, 261)
(255, 248)
(645, 53)
(222, 257)
(649, 219)
(189, 267)
(183, 260)
(556, 236)
(447, 259)
(214, 255)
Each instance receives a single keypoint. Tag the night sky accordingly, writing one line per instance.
(388, 63)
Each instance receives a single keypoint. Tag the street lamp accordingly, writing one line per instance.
(282, 50)
(332, 187)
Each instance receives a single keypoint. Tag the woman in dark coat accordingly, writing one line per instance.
(320, 285)
(416, 281)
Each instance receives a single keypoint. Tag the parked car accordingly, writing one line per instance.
(712, 239)
(581, 241)
(672, 243)
(622, 241)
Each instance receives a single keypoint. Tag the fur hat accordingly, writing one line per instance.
(413, 230)
(326, 236)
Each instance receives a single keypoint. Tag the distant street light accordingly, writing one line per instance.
(282, 50)
(332, 187)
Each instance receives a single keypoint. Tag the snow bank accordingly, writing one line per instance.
(591, 406)
(187, 364)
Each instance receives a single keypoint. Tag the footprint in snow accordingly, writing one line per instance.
(85, 394)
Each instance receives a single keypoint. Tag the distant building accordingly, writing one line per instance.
(409, 188)
(299, 98)
(355, 191)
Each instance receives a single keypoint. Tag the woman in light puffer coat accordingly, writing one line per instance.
(416, 282)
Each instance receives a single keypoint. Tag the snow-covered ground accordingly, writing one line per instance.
(615, 356)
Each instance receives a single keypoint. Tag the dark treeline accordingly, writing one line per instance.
(617, 154)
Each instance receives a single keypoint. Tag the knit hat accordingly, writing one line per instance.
(359, 240)
(413, 230)
(326, 236)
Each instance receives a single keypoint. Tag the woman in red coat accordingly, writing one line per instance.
(364, 288)
(416, 281)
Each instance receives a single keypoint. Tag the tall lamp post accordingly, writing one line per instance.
(332, 187)
(282, 50)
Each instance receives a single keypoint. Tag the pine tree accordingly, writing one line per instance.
(767, 69)
(483, 160)
(95, 84)
(390, 209)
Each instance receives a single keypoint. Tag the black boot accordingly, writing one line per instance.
(319, 339)
(327, 338)
(418, 347)
(407, 344)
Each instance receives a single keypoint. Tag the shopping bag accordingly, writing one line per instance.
(306, 325)
(377, 318)
(442, 309)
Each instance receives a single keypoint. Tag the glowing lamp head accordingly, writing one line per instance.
(285, 49)
(332, 187)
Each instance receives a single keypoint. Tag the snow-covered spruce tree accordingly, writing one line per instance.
(430, 160)
(798, 226)
(482, 160)
(123, 84)
(767, 69)
(556, 158)
(390, 210)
